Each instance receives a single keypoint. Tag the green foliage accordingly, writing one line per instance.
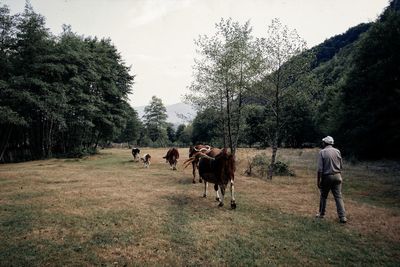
(254, 131)
(131, 130)
(184, 135)
(58, 95)
(80, 152)
(259, 166)
(226, 68)
(370, 126)
(205, 127)
(155, 120)
(282, 169)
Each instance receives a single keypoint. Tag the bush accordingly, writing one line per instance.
(80, 152)
(282, 169)
(259, 166)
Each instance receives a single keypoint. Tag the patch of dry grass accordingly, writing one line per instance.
(107, 209)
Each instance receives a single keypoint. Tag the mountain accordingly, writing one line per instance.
(179, 113)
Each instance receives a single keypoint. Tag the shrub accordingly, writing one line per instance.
(80, 152)
(259, 166)
(282, 169)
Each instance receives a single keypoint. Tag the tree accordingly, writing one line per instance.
(206, 128)
(254, 128)
(279, 50)
(9, 117)
(155, 120)
(35, 82)
(57, 94)
(184, 135)
(224, 71)
(130, 133)
(171, 133)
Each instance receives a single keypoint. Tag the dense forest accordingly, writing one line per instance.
(59, 95)
(67, 95)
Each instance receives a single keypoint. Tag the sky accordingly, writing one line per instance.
(156, 37)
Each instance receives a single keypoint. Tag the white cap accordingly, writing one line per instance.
(328, 140)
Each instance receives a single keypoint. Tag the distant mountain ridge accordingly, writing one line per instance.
(179, 113)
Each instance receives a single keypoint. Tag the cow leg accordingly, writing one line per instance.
(216, 191)
(197, 167)
(205, 189)
(233, 202)
(221, 189)
(194, 172)
(174, 166)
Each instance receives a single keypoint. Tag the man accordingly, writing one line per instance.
(329, 178)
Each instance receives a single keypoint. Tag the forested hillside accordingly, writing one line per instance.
(349, 89)
(361, 85)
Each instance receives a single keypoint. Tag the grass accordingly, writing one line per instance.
(108, 210)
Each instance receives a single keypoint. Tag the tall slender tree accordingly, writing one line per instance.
(279, 48)
(155, 120)
(226, 68)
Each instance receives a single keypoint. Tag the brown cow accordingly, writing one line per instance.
(146, 159)
(192, 151)
(172, 157)
(217, 167)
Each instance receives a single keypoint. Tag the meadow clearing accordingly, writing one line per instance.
(106, 210)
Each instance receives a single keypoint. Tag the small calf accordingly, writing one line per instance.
(146, 160)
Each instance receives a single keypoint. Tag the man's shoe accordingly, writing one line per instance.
(343, 220)
(319, 216)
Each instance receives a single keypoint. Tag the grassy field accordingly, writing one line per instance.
(108, 210)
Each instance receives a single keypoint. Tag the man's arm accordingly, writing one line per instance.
(319, 169)
(319, 178)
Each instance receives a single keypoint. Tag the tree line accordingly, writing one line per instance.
(59, 95)
(66, 95)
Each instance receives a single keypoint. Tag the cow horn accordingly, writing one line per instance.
(188, 161)
(193, 158)
(202, 155)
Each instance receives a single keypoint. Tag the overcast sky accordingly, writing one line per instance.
(156, 37)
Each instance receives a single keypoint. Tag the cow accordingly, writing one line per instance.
(217, 167)
(135, 153)
(192, 151)
(146, 160)
(172, 157)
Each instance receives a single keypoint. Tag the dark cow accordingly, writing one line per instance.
(217, 167)
(172, 157)
(192, 151)
(135, 153)
(146, 160)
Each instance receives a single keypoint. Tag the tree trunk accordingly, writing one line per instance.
(273, 157)
(275, 141)
(229, 121)
(239, 111)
